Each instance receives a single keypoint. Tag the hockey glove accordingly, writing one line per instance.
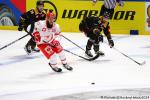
(55, 43)
(100, 38)
(111, 43)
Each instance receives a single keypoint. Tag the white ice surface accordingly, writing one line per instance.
(29, 77)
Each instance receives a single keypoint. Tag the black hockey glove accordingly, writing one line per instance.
(111, 43)
(100, 38)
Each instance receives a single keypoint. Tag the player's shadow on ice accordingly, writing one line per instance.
(47, 75)
(18, 59)
(97, 61)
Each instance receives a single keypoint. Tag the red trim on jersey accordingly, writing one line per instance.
(57, 33)
(63, 59)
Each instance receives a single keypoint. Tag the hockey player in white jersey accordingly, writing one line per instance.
(47, 37)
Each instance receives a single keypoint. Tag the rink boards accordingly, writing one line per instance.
(134, 15)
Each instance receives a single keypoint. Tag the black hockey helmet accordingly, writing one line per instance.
(39, 2)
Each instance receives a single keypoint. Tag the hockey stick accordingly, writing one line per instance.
(72, 42)
(88, 59)
(13, 42)
(142, 63)
(29, 33)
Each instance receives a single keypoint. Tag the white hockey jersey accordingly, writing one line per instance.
(42, 33)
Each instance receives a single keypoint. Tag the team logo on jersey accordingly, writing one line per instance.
(148, 14)
(49, 6)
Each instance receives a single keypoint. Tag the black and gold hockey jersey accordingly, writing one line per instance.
(88, 24)
(31, 16)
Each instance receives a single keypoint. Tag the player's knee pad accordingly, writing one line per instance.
(53, 59)
(62, 57)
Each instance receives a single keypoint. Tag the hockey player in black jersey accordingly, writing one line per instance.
(28, 18)
(92, 27)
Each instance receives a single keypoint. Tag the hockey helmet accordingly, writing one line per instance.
(39, 2)
(50, 19)
(50, 15)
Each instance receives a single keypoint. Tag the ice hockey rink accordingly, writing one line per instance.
(112, 77)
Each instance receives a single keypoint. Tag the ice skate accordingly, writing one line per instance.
(28, 49)
(56, 69)
(67, 67)
(100, 52)
(88, 53)
(35, 50)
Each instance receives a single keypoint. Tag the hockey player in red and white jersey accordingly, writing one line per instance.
(47, 37)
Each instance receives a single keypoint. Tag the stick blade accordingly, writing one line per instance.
(95, 57)
(141, 64)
